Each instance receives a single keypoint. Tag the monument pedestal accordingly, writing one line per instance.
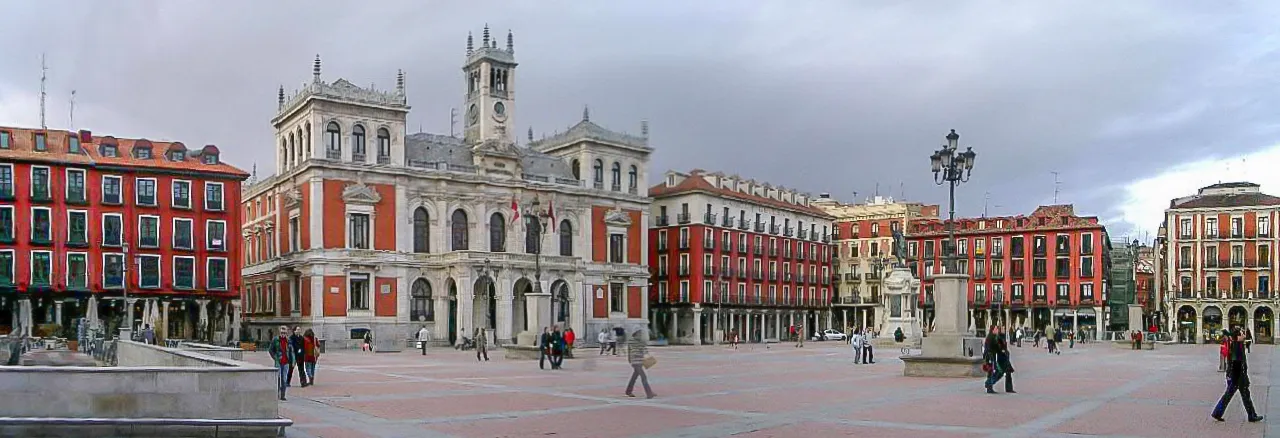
(944, 353)
(537, 308)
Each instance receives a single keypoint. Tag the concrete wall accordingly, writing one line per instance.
(213, 350)
(151, 382)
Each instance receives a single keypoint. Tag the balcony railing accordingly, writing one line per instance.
(726, 221)
(851, 277)
(709, 244)
(742, 273)
(683, 218)
(725, 245)
(663, 221)
(709, 218)
(662, 245)
(743, 224)
(759, 227)
(1211, 263)
(803, 234)
(773, 229)
(757, 250)
(773, 252)
(787, 232)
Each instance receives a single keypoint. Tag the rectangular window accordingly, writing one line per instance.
(146, 191)
(358, 292)
(1086, 267)
(149, 231)
(41, 267)
(617, 298)
(1086, 243)
(40, 183)
(184, 272)
(78, 228)
(216, 235)
(1064, 292)
(182, 233)
(149, 271)
(217, 273)
(1264, 226)
(617, 248)
(1016, 249)
(213, 196)
(75, 186)
(113, 270)
(293, 235)
(358, 224)
(1211, 228)
(41, 226)
(6, 267)
(112, 229)
(77, 270)
(997, 269)
(1184, 230)
(1086, 292)
(1062, 267)
(1041, 291)
(684, 291)
(6, 224)
(111, 189)
(6, 181)
(1039, 268)
(182, 194)
(41, 144)
(4, 140)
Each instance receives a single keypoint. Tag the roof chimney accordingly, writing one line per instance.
(86, 136)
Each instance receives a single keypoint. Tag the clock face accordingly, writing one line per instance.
(473, 115)
(499, 109)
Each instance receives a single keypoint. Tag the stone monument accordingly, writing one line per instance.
(537, 309)
(901, 293)
(942, 353)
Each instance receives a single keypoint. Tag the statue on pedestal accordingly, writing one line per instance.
(899, 249)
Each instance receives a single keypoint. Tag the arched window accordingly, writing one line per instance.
(421, 231)
(284, 152)
(357, 142)
(617, 176)
(420, 306)
(384, 145)
(302, 155)
(633, 178)
(458, 229)
(598, 170)
(532, 235)
(497, 233)
(577, 169)
(307, 136)
(333, 140)
(292, 152)
(566, 238)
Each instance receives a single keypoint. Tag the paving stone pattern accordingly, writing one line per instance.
(815, 391)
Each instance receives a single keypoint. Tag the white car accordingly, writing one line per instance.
(832, 335)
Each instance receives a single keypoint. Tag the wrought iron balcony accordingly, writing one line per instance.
(759, 227)
(663, 221)
(774, 229)
(709, 218)
(683, 218)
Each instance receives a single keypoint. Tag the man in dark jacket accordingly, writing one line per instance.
(296, 347)
(996, 354)
(1237, 379)
(544, 348)
(282, 357)
(557, 348)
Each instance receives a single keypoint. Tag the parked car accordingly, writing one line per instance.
(832, 335)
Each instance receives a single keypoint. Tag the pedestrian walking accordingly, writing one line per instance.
(1237, 379)
(603, 339)
(544, 347)
(557, 348)
(638, 357)
(368, 342)
(569, 339)
(482, 345)
(1222, 354)
(1248, 340)
(1017, 339)
(310, 355)
(996, 356)
(800, 336)
(296, 350)
(423, 337)
(868, 353)
(281, 357)
(856, 342)
(148, 335)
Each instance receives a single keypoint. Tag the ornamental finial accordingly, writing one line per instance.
(586, 113)
(280, 97)
(315, 70)
(469, 44)
(511, 42)
(485, 41)
(400, 81)
(531, 134)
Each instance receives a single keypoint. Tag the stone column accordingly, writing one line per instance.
(747, 328)
(164, 320)
(503, 288)
(697, 325)
(1199, 321)
(777, 326)
(57, 312)
(466, 301)
(675, 325)
(579, 297)
(235, 320)
(950, 312)
(537, 310)
(440, 313)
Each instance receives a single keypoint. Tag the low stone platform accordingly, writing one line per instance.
(57, 358)
(951, 367)
(1128, 345)
(520, 352)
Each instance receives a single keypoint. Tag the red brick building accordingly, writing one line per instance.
(731, 254)
(86, 217)
(1044, 269)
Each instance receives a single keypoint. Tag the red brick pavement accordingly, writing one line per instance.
(711, 391)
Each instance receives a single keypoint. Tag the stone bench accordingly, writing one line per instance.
(79, 427)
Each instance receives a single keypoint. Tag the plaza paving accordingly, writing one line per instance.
(715, 391)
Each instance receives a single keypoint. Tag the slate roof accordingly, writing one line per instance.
(57, 144)
(425, 148)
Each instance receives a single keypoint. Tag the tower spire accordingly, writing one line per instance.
(469, 44)
(484, 42)
(400, 81)
(511, 42)
(315, 69)
(530, 134)
(586, 113)
(280, 97)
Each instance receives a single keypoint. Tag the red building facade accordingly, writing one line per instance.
(733, 255)
(1045, 269)
(85, 222)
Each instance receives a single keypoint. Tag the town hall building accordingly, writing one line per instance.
(366, 228)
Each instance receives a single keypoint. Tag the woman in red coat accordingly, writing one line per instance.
(310, 354)
(568, 340)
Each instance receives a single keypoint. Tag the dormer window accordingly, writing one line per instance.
(73, 144)
(108, 150)
(209, 158)
(143, 153)
(177, 155)
(41, 145)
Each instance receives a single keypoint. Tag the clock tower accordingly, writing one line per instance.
(489, 112)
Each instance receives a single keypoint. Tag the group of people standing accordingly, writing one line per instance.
(860, 340)
(554, 345)
(295, 349)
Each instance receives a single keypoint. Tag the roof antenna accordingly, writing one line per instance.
(1055, 187)
(44, 70)
(73, 109)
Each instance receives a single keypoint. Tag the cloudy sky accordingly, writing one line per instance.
(1131, 103)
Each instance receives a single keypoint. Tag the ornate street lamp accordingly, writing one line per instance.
(536, 218)
(952, 168)
(486, 270)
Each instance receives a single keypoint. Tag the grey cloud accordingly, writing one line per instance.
(823, 96)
